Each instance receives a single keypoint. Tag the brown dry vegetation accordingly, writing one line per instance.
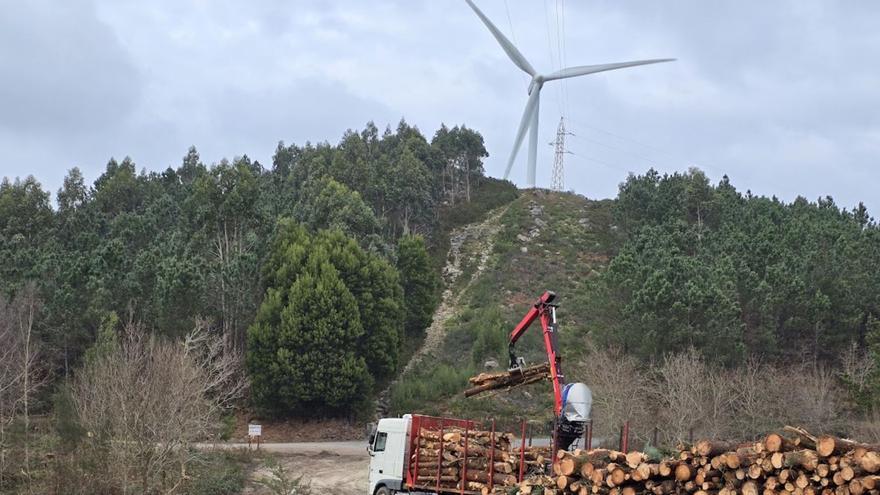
(139, 405)
(685, 396)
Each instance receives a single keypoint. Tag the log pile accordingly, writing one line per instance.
(445, 457)
(797, 464)
(485, 382)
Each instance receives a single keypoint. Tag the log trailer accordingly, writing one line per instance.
(399, 462)
(394, 444)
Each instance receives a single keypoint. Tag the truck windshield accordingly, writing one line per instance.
(381, 438)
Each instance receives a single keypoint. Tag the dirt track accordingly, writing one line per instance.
(333, 468)
(328, 473)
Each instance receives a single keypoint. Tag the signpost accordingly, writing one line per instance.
(255, 433)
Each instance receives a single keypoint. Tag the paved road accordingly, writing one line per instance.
(352, 447)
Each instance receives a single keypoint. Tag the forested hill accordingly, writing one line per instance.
(165, 247)
(322, 270)
(685, 305)
(736, 275)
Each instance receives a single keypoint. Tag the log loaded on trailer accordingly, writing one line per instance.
(425, 454)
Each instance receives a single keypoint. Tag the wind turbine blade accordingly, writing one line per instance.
(508, 47)
(523, 127)
(583, 70)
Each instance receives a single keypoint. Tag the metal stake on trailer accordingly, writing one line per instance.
(624, 437)
(415, 475)
(491, 457)
(440, 458)
(464, 470)
(522, 451)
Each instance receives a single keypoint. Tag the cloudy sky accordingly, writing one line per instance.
(782, 96)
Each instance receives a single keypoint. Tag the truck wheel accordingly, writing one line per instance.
(383, 490)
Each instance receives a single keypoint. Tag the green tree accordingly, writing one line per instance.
(327, 204)
(419, 281)
(26, 221)
(303, 354)
(372, 281)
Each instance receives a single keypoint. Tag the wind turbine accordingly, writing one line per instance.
(530, 114)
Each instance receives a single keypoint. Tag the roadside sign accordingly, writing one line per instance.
(255, 434)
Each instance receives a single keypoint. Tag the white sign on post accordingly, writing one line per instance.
(255, 434)
(255, 430)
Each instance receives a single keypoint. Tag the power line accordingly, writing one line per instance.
(565, 64)
(553, 63)
(560, 58)
(600, 162)
(621, 150)
(624, 138)
(510, 23)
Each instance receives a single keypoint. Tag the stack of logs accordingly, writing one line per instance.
(445, 457)
(797, 464)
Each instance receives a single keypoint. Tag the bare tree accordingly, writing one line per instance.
(815, 398)
(759, 402)
(20, 373)
(620, 390)
(857, 367)
(10, 378)
(692, 397)
(145, 401)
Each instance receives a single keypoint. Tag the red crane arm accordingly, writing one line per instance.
(545, 310)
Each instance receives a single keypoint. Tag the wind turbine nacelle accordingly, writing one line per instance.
(577, 401)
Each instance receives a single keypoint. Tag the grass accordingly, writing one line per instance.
(487, 195)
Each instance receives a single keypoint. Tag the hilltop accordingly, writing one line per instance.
(540, 241)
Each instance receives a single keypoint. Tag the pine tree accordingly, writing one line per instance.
(302, 348)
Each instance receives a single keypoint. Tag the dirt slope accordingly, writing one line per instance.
(469, 251)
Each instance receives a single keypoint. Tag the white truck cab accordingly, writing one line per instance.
(388, 446)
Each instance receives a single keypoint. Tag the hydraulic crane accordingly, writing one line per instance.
(572, 402)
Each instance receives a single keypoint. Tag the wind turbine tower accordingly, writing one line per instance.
(529, 120)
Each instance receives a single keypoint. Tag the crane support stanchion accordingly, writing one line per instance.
(554, 440)
(624, 437)
(491, 458)
(464, 469)
(440, 458)
(522, 451)
(530, 434)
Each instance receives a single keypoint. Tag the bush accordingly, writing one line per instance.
(281, 482)
(491, 338)
(412, 394)
(219, 473)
